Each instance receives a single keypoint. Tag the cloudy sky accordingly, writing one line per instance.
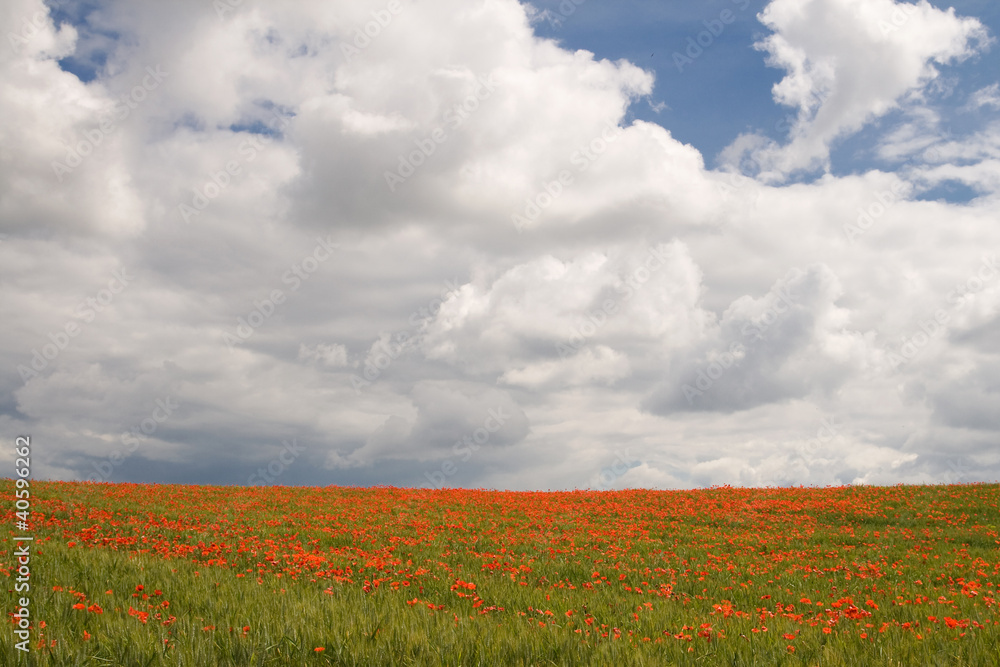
(498, 244)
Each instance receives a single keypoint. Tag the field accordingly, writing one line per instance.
(125, 574)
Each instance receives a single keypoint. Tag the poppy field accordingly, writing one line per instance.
(126, 574)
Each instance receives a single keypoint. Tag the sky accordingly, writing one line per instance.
(492, 244)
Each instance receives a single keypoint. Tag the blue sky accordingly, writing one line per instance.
(431, 247)
(726, 90)
(722, 92)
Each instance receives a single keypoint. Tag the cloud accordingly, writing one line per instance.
(789, 343)
(449, 415)
(552, 322)
(280, 287)
(328, 355)
(986, 97)
(849, 62)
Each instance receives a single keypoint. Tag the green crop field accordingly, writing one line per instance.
(124, 574)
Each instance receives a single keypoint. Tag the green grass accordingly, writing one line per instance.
(531, 557)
